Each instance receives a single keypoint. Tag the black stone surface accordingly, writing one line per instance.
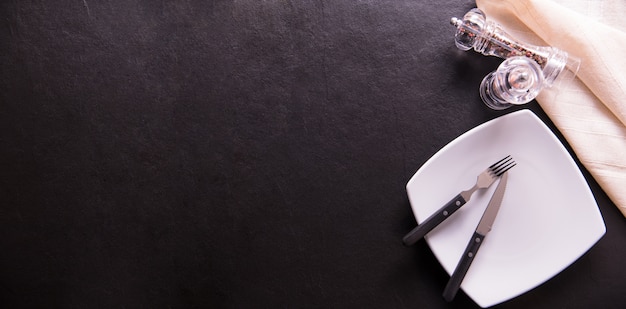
(239, 154)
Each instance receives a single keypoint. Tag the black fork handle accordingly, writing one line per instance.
(435, 219)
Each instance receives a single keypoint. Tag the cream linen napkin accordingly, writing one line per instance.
(590, 110)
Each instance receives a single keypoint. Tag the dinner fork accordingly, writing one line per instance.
(485, 179)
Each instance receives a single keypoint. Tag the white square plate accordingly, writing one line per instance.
(548, 219)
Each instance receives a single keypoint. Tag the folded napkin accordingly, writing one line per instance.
(589, 110)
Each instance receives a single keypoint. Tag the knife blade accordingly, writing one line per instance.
(484, 226)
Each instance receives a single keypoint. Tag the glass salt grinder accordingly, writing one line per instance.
(527, 68)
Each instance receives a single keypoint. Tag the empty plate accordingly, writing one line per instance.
(548, 218)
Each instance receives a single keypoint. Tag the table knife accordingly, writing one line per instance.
(484, 226)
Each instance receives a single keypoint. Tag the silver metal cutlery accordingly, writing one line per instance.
(484, 226)
(484, 180)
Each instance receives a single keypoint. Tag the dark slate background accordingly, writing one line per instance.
(239, 154)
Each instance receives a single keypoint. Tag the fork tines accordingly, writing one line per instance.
(502, 166)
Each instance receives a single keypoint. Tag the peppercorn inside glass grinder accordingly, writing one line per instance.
(527, 69)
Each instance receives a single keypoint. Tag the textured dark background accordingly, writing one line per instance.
(239, 154)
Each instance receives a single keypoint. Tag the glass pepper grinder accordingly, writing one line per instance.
(517, 80)
(520, 79)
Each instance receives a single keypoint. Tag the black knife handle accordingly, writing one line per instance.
(435, 219)
(461, 269)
